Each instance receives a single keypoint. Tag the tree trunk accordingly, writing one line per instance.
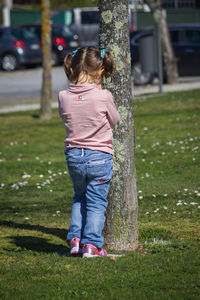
(46, 93)
(121, 227)
(170, 64)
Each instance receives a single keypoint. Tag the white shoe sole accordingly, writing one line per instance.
(74, 250)
(88, 255)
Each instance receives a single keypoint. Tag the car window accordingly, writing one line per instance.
(192, 36)
(35, 30)
(62, 31)
(90, 17)
(174, 34)
(69, 17)
(23, 34)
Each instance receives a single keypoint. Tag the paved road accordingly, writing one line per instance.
(26, 83)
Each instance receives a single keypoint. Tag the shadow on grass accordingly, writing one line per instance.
(36, 243)
(61, 233)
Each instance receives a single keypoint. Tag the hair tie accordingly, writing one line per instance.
(74, 52)
(103, 51)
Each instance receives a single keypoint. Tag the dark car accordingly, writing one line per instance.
(18, 47)
(63, 40)
(185, 41)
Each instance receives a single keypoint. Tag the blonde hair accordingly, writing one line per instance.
(87, 61)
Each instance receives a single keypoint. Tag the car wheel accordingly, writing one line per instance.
(9, 62)
(55, 59)
(139, 77)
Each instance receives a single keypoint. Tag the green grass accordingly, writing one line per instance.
(36, 197)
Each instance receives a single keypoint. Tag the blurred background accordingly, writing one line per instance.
(75, 23)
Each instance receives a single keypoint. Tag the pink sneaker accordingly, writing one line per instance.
(92, 251)
(75, 246)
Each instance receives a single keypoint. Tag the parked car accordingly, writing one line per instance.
(63, 40)
(18, 47)
(185, 41)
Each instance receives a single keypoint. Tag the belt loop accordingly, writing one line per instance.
(82, 154)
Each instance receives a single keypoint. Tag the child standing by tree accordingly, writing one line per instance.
(89, 114)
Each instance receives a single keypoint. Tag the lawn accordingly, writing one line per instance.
(36, 197)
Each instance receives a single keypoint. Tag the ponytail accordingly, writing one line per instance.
(67, 65)
(108, 65)
(87, 61)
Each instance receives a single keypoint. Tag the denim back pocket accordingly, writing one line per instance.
(100, 169)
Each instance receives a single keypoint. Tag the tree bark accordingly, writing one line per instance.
(170, 64)
(46, 93)
(121, 226)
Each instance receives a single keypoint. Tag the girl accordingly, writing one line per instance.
(89, 114)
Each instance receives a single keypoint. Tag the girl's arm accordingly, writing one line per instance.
(112, 113)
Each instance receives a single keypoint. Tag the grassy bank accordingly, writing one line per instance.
(36, 196)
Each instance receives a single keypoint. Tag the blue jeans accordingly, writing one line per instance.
(91, 172)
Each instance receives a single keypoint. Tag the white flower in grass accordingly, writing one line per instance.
(179, 203)
(165, 195)
(174, 212)
(37, 158)
(163, 153)
(50, 191)
(176, 151)
(147, 175)
(26, 175)
(54, 174)
(59, 173)
(14, 186)
(139, 191)
(38, 187)
(198, 194)
(154, 195)
(193, 158)
(143, 159)
(58, 212)
(27, 218)
(145, 128)
(185, 190)
(185, 203)
(140, 197)
(49, 171)
(195, 148)
(199, 206)
(165, 207)
(49, 162)
(156, 210)
(147, 213)
(144, 151)
(35, 205)
(193, 203)
(151, 163)
(41, 175)
(2, 186)
(65, 172)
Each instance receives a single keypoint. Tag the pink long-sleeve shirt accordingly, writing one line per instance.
(89, 114)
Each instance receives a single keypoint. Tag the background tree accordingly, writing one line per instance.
(46, 93)
(121, 228)
(170, 64)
